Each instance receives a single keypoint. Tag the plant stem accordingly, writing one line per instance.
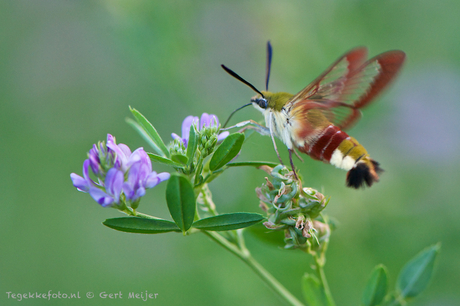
(320, 262)
(319, 265)
(145, 216)
(271, 281)
(243, 253)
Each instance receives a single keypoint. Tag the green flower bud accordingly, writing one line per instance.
(291, 208)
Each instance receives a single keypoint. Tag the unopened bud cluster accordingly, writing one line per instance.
(207, 140)
(177, 148)
(206, 135)
(293, 209)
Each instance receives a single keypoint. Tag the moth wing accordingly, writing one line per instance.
(348, 85)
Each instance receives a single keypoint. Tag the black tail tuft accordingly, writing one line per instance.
(377, 168)
(362, 175)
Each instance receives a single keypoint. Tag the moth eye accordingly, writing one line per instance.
(262, 103)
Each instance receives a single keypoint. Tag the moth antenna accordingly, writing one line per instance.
(236, 76)
(235, 112)
(269, 64)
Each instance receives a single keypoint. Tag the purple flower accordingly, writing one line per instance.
(113, 186)
(118, 171)
(82, 183)
(206, 121)
(141, 176)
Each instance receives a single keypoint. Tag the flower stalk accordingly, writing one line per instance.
(243, 253)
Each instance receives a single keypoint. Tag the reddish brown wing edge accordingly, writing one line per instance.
(354, 57)
(389, 62)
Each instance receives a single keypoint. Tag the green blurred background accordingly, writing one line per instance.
(69, 70)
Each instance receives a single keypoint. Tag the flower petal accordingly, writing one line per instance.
(85, 170)
(121, 159)
(79, 182)
(154, 179)
(136, 156)
(138, 175)
(205, 120)
(128, 191)
(86, 164)
(175, 136)
(114, 183)
(222, 135)
(214, 120)
(139, 193)
(100, 197)
(186, 124)
(110, 138)
(133, 174)
(93, 156)
(144, 158)
(125, 149)
(164, 176)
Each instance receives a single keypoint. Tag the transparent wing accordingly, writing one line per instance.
(348, 85)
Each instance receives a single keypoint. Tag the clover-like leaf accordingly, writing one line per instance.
(227, 222)
(252, 164)
(269, 236)
(181, 200)
(416, 274)
(144, 135)
(151, 132)
(178, 158)
(392, 300)
(377, 287)
(313, 291)
(163, 160)
(227, 150)
(141, 225)
(192, 144)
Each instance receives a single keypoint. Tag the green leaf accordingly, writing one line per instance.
(143, 134)
(228, 222)
(377, 287)
(150, 131)
(313, 291)
(253, 164)
(181, 200)
(416, 274)
(227, 150)
(178, 158)
(392, 301)
(163, 160)
(192, 144)
(199, 169)
(272, 237)
(141, 225)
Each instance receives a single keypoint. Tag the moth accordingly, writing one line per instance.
(313, 120)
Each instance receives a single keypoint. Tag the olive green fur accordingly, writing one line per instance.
(351, 147)
(276, 100)
(317, 118)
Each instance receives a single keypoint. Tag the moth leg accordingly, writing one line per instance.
(262, 130)
(298, 156)
(273, 138)
(292, 163)
(250, 124)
